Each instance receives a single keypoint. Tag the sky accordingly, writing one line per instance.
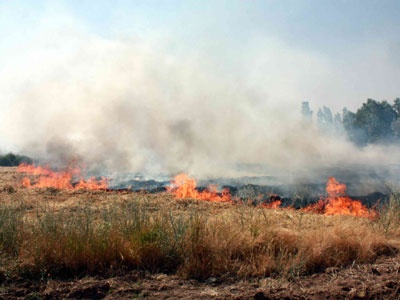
(179, 60)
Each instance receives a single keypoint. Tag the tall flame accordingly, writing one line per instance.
(60, 180)
(338, 203)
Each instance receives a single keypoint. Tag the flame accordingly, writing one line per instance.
(274, 201)
(185, 187)
(60, 180)
(92, 184)
(338, 203)
(182, 186)
(335, 189)
(31, 169)
(318, 207)
(272, 205)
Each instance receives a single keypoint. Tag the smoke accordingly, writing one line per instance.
(153, 105)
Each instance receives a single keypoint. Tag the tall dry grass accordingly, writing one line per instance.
(389, 216)
(193, 239)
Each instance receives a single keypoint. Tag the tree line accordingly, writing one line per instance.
(11, 160)
(374, 122)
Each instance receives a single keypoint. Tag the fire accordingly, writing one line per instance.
(182, 186)
(334, 188)
(338, 203)
(273, 203)
(31, 169)
(59, 180)
(185, 187)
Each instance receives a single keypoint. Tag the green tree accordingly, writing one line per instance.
(11, 159)
(355, 134)
(375, 119)
(396, 106)
(396, 128)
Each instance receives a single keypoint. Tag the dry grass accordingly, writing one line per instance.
(274, 243)
(56, 233)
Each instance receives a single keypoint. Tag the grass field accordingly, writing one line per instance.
(47, 233)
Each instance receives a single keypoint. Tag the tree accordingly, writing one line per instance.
(396, 128)
(11, 159)
(355, 134)
(325, 119)
(396, 106)
(375, 120)
(306, 111)
(338, 122)
(396, 123)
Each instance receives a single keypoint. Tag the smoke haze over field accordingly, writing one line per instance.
(162, 98)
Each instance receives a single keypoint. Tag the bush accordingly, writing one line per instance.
(11, 160)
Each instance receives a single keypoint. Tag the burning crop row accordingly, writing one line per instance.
(60, 180)
(182, 186)
(142, 231)
(336, 203)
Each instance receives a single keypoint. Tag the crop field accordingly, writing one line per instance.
(83, 243)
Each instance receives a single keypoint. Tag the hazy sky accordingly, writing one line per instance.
(347, 49)
(254, 60)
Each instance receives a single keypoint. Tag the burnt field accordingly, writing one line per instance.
(117, 243)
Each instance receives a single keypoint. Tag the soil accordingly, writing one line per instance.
(378, 280)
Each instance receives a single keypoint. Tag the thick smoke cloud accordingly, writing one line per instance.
(139, 105)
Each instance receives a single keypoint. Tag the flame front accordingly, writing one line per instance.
(182, 186)
(338, 203)
(34, 170)
(59, 180)
(185, 187)
(272, 205)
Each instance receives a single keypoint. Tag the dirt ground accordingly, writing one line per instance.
(378, 280)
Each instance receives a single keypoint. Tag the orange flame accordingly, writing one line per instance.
(273, 203)
(60, 180)
(338, 203)
(31, 169)
(185, 187)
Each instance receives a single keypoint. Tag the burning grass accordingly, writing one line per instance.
(336, 203)
(47, 178)
(76, 233)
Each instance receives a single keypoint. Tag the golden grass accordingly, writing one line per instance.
(53, 233)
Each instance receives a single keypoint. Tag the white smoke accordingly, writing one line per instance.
(156, 106)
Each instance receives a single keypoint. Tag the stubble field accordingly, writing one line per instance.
(80, 244)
